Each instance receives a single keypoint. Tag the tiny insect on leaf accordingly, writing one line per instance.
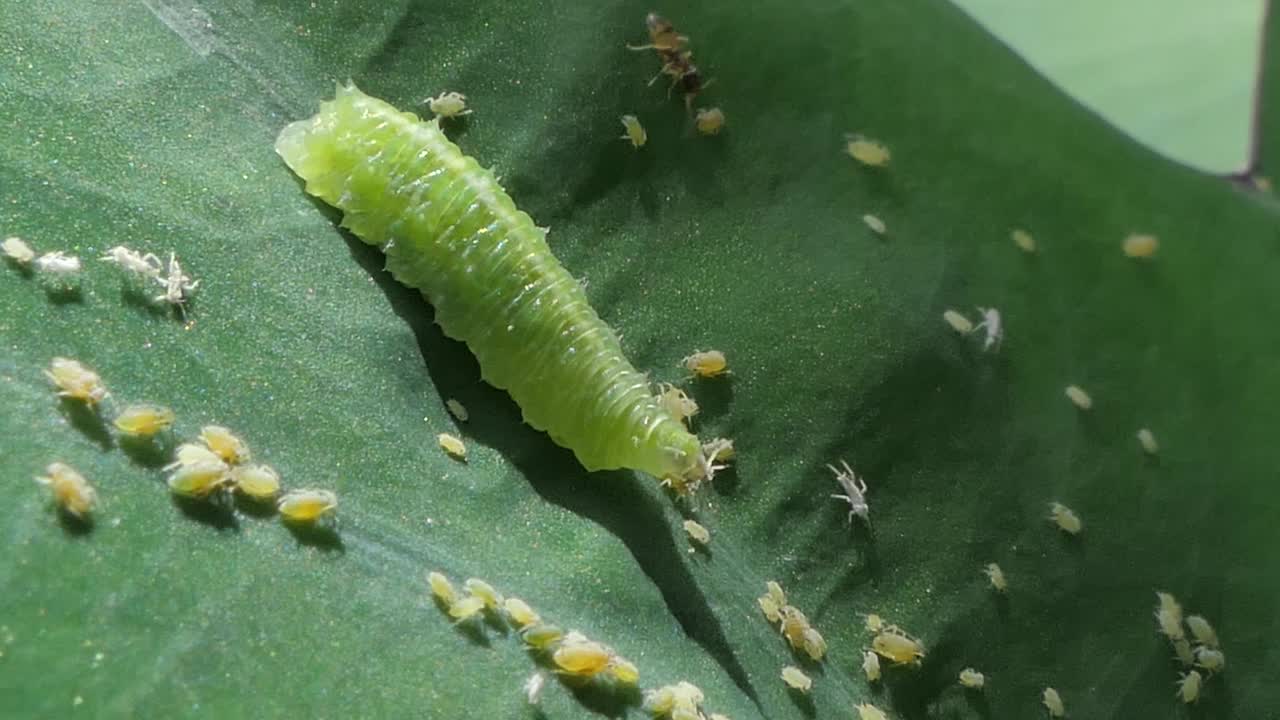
(143, 420)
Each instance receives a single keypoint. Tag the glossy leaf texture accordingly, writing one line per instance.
(151, 125)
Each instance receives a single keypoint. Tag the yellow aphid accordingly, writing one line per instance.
(711, 363)
(260, 482)
(191, 453)
(814, 644)
(796, 679)
(452, 445)
(199, 479)
(1141, 246)
(874, 623)
(897, 648)
(634, 131)
(483, 590)
(623, 670)
(697, 532)
(1189, 687)
(307, 505)
(866, 151)
(1182, 651)
(958, 322)
(794, 623)
(1209, 659)
(441, 587)
(1065, 518)
(466, 608)
(1202, 631)
(660, 701)
(677, 403)
(1023, 240)
(1078, 397)
(542, 636)
(769, 607)
(1147, 439)
(871, 665)
(76, 381)
(867, 711)
(1169, 617)
(58, 264)
(996, 575)
(448, 104)
(1053, 701)
(70, 490)
(222, 441)
(709, 121)
(774, 590)
(1169, 604)
(719, 450)
(520, 613)
(972, 679)
(579, 656)
(876, 224)
(457, 410)
(17, 250)
(144, 420)
(717, 716)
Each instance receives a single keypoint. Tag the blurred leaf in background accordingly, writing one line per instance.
(1178, 75)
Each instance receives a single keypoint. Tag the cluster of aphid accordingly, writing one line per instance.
(1201, 652)
(206, 471)
(672, 49)
(178, 286)
(681, 701)
(681, 407)
(571, 654)
(219, 465)
(795, 627)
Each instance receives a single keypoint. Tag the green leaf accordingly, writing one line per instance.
(151, 125)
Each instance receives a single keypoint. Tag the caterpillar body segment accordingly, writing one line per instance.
(449, 229)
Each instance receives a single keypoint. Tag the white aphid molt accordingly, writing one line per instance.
(855, 491)
(178, 286)
(533, 687)
(58, 263)
(992, 324)
(147, 265)
(448, 104)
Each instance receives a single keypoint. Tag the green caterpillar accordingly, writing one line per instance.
(449, 229)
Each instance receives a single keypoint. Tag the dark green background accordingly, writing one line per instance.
(152, 125)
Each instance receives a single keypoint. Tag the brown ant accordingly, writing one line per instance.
(677, 62)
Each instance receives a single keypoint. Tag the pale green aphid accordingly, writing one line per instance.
(450, 230)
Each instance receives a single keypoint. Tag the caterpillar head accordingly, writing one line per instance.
(694, 463)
